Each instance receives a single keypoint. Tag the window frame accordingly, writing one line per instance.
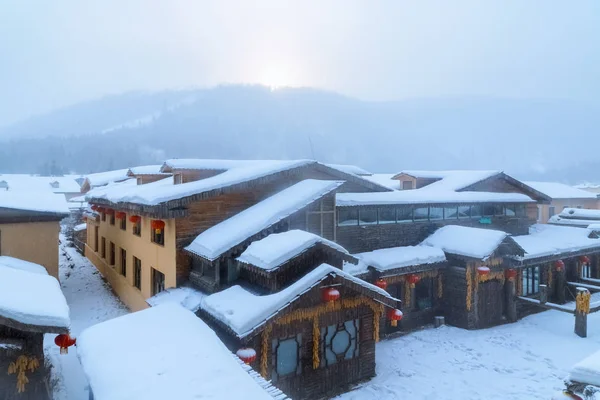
(123, 254)
(96, 238)
(157, 238)
(137, 228)
(365, 210)
(410, 214)
(529, 277)
(431, 295)
(388, 209)
(156, 284)
(112, 254)
(275, 344)
(348, 210)
(468, 214)
(123, 224)
(112, 218)
(137, 273)
(424, 219)
(326, 343)
(103, 247)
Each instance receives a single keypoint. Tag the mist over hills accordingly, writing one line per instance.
(531, 139)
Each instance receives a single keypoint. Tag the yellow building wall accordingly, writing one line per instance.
(152, 255)
(35, 242)
(560, 204)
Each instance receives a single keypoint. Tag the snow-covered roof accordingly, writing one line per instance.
(209, 164)
(243, 311)
(103, 178)
(80, 227)
(583, 223)
(587, 371)
(163, 352)
(276, 249)
(145, 170)
(422, 196)
(451, 180)
(37, 183)
(129, 191)
(185, 296)
(213, 242)
(557, 190)
(594, 227)
(398, 257)
(22, 265)
(384, 180)
(350, 169)
(588, 185)
(32, 300)
(548, 240)
(466, 241)
(580, 213)
(41, 202)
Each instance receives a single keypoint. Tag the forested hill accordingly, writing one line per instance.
(529, 138)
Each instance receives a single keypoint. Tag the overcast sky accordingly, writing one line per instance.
(58, 52)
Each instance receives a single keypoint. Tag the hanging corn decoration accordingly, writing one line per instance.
(19, 367)
(316, 337)
(582, 302)
(469, 287)
(264, 353)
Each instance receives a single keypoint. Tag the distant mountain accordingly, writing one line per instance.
(532, 139)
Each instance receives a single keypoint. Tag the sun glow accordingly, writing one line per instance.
(276, 77)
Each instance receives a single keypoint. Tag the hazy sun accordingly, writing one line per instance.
(276, 77)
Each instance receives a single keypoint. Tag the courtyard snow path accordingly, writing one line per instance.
(526, 360)
(91, 301)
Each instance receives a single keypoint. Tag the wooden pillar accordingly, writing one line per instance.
(561, 287)
(582, 308)
(510, 289)
(543, 294)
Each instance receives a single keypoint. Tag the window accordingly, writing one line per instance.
(137, 227)
(158, 281)
(340, 342)
(498, 209)
(421, 213)
(531, 280)
(177, 179)
(551, 211)
(586, 271)
(539, 213)
(520, 210)
(387, 215)
(103, 216)
(423, 294)
(476, 211)
(436, 213)
(123, 262)
(367, 216)
(347, 216)
(488, 210)
(137, 272)
(96, 239)
(510, 210)
(103, 247)
(112, 218)
(286, 356)
(464, 211)
(407, 185)
(158, 236)
(112, 254)
(404, 214)
(451, 212)
(123, 223)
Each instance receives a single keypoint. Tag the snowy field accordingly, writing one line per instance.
(525, 360)
(91, 301)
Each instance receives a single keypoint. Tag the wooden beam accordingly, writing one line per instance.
(548, 306)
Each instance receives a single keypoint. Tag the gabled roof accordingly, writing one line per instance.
(421, 196)
(132, 357)
(452, 179)
(209, 164)
(243, 312)
(576, 217)
(350, 169)
(146, 170)
(278, 248)
(220, 238)
(547, 241)
(400, 257)
(557, 190)
(34, 202)
(384, 180)
(22, 265)
(468, 242)
(38, 183)
(103, 178)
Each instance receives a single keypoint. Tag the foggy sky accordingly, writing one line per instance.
(58, 52)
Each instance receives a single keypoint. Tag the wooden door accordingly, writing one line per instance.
(490, 305)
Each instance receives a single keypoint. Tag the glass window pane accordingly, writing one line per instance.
(510, 211)
(520, 210)
(436, 213)
(387, 215)
(464, 211)
(340, 342)
(421, 213)
(347, 216)
(287, 357)
(367, 216)
(451, 212)
(498, 209)
(405, 214)
(488, 210)
(476, 211)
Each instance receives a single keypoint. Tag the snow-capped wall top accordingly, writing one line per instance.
(213, 242)
(451, 180)
(38, 202)
(17, 263)
(587, 371)
(103, 178)
(384, 180)
(580, 213)
(243, 311)
(36, 183)
(557, 190)
(350, 169)
(465, 241)
(129, 358)
(186, 296)
(213, 164)
(422, 196)
(398, 257)
(46, 311)
(548, 240)
(145, 170)
(276, 249)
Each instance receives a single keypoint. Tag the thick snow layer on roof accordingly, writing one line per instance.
(398, 257)
(274, 250)
(214, 164)
(129, 191)
(22, 265)
(164, 352)
(422, 196)
(384, 180)
(32, 298)
(587, 370)
(103, 178)
(37, 183)
(156, 193)
(452, 180)
(584, 223)
(216, 240)
(350, 169)
(557, 190)
(548, 240)
(580, 213)
(243, 311)
(185, 296)
(80, 227)
(34, 201)
(594, 227)
(465, 241)
(146, 170)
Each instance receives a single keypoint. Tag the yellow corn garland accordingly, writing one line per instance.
(582, 302)
(316, 337)
(469, 287)
(20, 366)
(408, 286)
(407, 292)
(520, 283)
(550, 275)
(264, 355)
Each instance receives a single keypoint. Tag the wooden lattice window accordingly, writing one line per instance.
(339, 342)
(286, 357)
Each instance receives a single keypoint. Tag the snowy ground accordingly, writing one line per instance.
(91, 301)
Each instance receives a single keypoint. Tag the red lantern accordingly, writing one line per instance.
(84, 218)
(134, 219)
(247, 355)
(109, 211)
(380, 283)
(120, 215)
(330, 295)
(584, 259)
(559, 265)
(483, 271)
(64, 341)
(510, 273)
(413, 279)
(94, 208)
(100, 209)
(394, 315)
(157, 225)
